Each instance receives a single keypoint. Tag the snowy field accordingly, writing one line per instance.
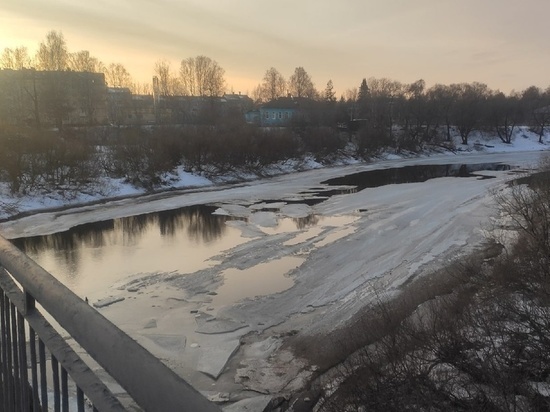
(386, 236)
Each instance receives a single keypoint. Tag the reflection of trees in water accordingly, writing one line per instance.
(205, 227)
(68, 245)
(197, 222)
(305, 222)
(133, 228)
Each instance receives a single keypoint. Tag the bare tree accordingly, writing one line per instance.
(82, 61)
(15, 59)
(168, 84)
(273, 85)
(386, 100)
(202, 76)
(257, 95)
(467, 111)
(444, 98)
(300, 84)
(504, 114)
(116, 75)
(141, 88)
(52, 53)
(350, 95)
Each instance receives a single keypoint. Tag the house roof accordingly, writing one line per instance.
(281, 103)
(290, 103)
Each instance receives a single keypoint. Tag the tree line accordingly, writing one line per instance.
(84, 160)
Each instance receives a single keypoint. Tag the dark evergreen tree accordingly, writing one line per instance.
(330, 96)
(363, 100)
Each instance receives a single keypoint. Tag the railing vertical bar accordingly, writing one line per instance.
(15, 348)
(34, 371)
(23, 363)
(9, 392)
(56, 390)
(5, 372)
(64, 391)
(80, 399)
(43, 377)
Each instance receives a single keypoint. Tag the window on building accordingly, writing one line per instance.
(273, 115)
(280, 115)
(267, 115)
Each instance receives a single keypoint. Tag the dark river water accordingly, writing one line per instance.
(92, 257)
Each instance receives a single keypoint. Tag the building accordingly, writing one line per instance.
(285, 112)
(126, 108)
(66, 98)
(278, 112)
(52, 98)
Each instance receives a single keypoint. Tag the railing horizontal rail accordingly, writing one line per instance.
(150, 383)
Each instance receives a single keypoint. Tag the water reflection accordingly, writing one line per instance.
(263, 279)
(198, 222)
(179, 240)
(305, 222)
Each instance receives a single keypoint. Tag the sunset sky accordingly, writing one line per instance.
(504, 43)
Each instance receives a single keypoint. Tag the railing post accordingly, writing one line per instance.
(30, 303)
(5, 370)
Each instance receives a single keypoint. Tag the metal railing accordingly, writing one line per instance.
(55, 377)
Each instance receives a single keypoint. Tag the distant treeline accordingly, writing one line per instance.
(76, 159)
(80, 160)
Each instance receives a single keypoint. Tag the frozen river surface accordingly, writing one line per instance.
(193, 296)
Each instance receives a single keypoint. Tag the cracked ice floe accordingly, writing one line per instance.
(232, 210)
(173, 343)
(212, 360)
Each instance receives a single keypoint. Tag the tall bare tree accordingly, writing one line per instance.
(472, 98)
(385, 96)
(202, 76)
(273, 84)
(52, 53)
(168, 84)
(300, 84)
(444, 97)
